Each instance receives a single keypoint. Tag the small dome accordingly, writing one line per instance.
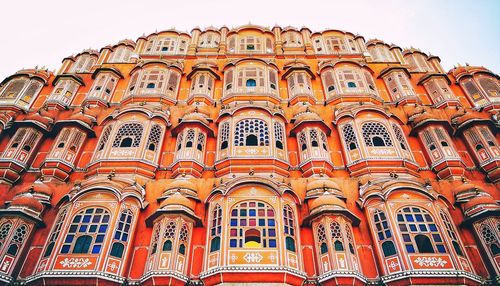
(180, 184)
(37, 187)
(327, 200)
(196, 117)
(484, 200)
(322, 184)
(27, 201)
(177, 200)
(85, 118)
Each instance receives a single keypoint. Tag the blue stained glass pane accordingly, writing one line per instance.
(127, 227)
(272, 232)
(233, 243)
(96, 249)
(260, 204)
(69, 238)
(406, 238)
(384, 224)
(77, 218)
(441, 248)
(413, 227)
(388, 233)
(96, 218)
(105, 218)
(270, 222)
(286, 229)
(93, 228)
(234, 222)
(400, 217)
(83, 228)
(262, 222)
(243, 222)
(381, 235)
(422, 227)
(251, 212)
(129, 219)
(65, 249)
(432, 227)
(419, 217)
(436, 237)
(86, 218)
(89, 211)
(72, 228)
(120, 225)
(292, 232)
(409, 217)
(272, 243)
(99, 238)
(117, 235)
(243, 212)
(125, 237)
(102, 228)
(410, 249)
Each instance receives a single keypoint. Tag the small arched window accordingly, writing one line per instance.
(167, 245)
(384, 233)
(322, 240)
(350, 137)
(154, 137)
(55, 233)
(117, 249)
(337, 236)
(216, 228)
(104, 138)
(351, 84)
(18, 239)
(289, 228)
(82, 244)
(224, 135)
(251, 83)
(122, 233)
(278, 135)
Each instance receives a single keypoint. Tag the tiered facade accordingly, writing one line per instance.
(250, 155)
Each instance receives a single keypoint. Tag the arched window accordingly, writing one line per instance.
(169, 235)
(216, 228)
(383, 232)
(252, 224)
(302, 141)
(183, 238)
(155, 239)
(417, 228)
(350, 137)
(55, 233)
(400, 137)
(87, 231)
(337, 237)
(129, 135)
(289, 228)
(224, 135)
(350, 238)
(490, 236)
(121, 233)
(121, 55)
(13, 88)
(251, 83)
(190, 138)
(4, 232)
(17, 239)
(489, 85)
(251, 132)
(375, 135)
(313, 135)
(322, 240)
(452, 234)
(278, 135)
(154, 137)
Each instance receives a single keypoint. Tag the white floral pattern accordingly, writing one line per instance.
(75, 262)
(430, 261)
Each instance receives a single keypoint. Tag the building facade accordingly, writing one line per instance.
(250, 155)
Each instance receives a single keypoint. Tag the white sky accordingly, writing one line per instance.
(44, 32)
